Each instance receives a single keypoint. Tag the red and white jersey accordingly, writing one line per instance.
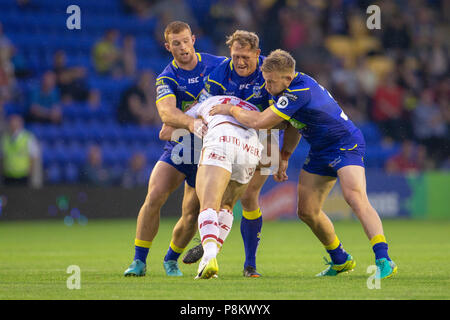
(202, 110)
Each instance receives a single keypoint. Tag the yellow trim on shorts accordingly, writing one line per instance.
(343, 149)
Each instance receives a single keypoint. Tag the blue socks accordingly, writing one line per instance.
(141, 248)
(173, 253)
(251, 225)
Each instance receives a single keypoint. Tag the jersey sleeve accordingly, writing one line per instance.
(165, 87)
(290, 102)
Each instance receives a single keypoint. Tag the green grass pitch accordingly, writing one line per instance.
(34, 257)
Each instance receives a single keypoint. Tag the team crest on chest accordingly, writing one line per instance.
(257, 91)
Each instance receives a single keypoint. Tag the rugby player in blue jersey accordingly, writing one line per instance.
(240, 76)
(337, 151)
(178, 87)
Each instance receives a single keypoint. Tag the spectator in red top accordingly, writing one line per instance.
(409, 159)
(388, 108)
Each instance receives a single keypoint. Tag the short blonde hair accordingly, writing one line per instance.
(244, 38)
(175, 27)
(279, 60)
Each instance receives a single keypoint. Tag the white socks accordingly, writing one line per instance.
(214, 229)
(225, 224)
(208, 227)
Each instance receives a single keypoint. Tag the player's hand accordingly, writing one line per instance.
(220, 109)
(199, 127)
(281, 175)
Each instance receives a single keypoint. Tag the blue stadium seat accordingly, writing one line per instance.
(54, 174)
(71, 172)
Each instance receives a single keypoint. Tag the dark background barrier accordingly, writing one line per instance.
(56, 202)
(421, 195)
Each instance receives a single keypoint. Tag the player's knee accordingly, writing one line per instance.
(355, 199)
(306, 212)
(190, 218)
(155, 198)
(250, 199)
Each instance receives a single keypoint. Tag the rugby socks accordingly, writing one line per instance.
(225, 219)
(174, 252)
(141, 248)
(251, 225)
(208, 227)
(337, 253)
(380, 247)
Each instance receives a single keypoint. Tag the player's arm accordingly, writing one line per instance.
(171, 115)
(291, 139)
(166, 132)
(252, 119)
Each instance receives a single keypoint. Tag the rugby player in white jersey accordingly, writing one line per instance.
(228, 161)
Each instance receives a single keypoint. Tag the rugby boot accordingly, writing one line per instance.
(335, 269)
(136, 269)
(171, 267)
(385, 268)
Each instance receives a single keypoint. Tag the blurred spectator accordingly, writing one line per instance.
(95, 99)
(45, 101)
(388, 108)
(106, 54)
(71, 81)
(129, 59)
(22, 68)
(136, 175)
(407, 160)
(430, 127)
(4, 40)
(137, 104)
(294, 29)
(2, 118)
(20, 155)
(7, 76)
(397, 34)
(94, 172)
(167, 11)
(141, 8)
(335, 17)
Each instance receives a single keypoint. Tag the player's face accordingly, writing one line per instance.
(181, 45)
(276, 82)
(245, 60)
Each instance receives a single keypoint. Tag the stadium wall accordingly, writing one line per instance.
(394, 196)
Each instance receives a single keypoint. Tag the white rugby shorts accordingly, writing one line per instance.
(233, 148)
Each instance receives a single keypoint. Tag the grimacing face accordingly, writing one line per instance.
(245, 60)
(181, 45)
(276, 82)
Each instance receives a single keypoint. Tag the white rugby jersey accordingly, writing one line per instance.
(202, 109)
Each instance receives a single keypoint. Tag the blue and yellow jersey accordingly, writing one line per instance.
(224, 80)
(310, 108)
(185, 85)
